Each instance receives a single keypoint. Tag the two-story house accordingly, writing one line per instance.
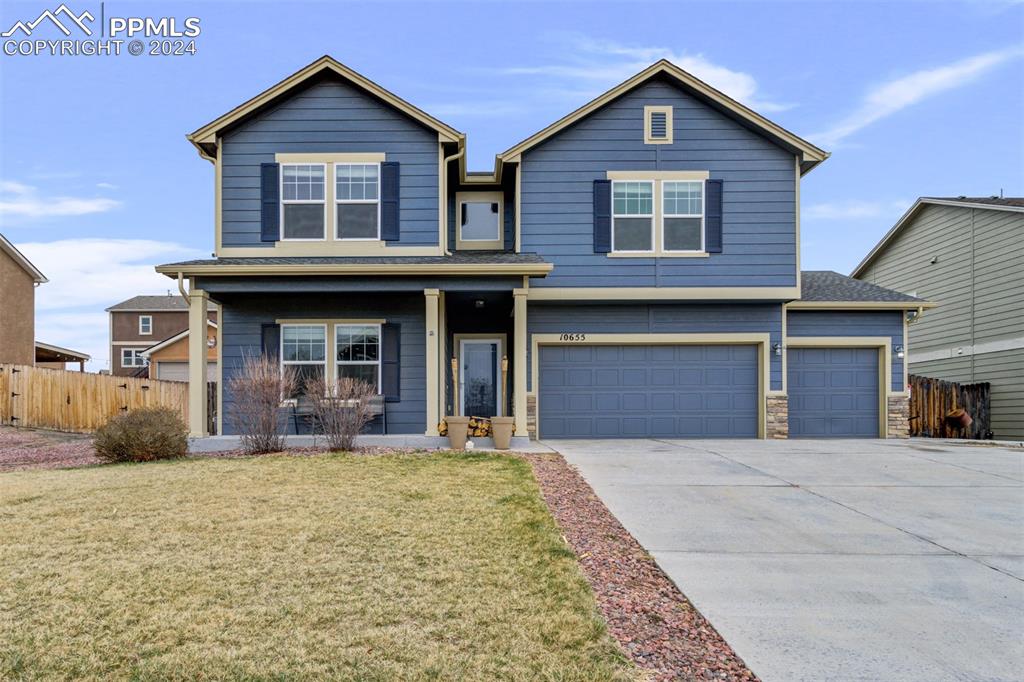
(142, 325)
(637, 263)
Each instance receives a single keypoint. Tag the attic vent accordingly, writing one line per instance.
(657, 125)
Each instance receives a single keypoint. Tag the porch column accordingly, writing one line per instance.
(519, 361)
(433, 361)
(197, 306)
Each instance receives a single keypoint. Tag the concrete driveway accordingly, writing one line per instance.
(834, 560)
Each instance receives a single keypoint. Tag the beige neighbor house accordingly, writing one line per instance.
(967, 255)
(144, 323)
(18, 281)
(168, 359)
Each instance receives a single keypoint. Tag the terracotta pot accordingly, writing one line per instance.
(501, 430)
(458, 432)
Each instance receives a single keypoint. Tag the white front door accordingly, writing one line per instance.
(480, 377)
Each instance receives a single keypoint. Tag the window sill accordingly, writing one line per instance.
(496, 245)
(661, 254)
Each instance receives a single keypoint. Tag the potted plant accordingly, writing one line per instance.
(458, 427)
(502, 427)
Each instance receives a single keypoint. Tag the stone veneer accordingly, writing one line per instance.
(531, 416)
(777, 417)
(898, 415)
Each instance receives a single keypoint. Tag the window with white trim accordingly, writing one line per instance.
(133, 357)
(357, 200)
(480, 220)
(145, 324)
(682, 216)
(632, 216)
(304, 347)
(357, 352)
(302, 201)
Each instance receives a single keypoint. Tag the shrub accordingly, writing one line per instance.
(343, 410)
(256, 411)
(142, 435)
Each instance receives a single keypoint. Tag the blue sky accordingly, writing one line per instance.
(98, 184)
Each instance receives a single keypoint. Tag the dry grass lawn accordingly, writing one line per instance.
(410, 567)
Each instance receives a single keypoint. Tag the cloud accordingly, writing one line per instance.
(853, 210)
(898, 94)
(18, 200)
(106, 185)
(609, 62)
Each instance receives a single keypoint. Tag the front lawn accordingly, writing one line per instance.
(436, 566)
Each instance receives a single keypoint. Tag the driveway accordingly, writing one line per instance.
(834, 560)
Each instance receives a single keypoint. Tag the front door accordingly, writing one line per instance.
(478, 380)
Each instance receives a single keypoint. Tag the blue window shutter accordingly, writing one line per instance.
(271, 340)
(713, 216)
(391, 362)
(602, 216)
(270, 202)
(389, 206)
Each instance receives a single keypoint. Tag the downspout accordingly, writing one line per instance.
(181, 288)
(444, 192)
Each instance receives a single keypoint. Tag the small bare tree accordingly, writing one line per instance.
(258, 390)
(342, 410)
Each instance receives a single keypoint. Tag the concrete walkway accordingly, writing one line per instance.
(834, 560)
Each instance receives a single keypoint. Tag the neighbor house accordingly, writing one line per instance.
(967, 255)
(636, 262)
(168, 358)
(143, 322)
(18, 282)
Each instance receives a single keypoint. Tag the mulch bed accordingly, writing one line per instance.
(652, 620)
(30, 449)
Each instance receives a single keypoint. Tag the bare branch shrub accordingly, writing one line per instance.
(142, 435)
(342, 411)
(258, 390)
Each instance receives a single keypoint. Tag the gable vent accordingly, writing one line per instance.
(657, 125)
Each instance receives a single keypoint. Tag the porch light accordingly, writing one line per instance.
(899, 351)
(777, 348)
(479, 303)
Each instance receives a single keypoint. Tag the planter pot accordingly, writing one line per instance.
(458, 432)
(501, 430)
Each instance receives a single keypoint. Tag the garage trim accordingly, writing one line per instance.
(884, 346)
(762, 341)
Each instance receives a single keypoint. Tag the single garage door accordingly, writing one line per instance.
(178, 371)
(833, 392)
(648, 391)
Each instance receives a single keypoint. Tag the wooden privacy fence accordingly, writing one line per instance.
(932, 400)
(74, 401)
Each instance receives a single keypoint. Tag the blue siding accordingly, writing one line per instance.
(241, 335)
(852, 323)
(330, 117)
(660, 318)
(759, 220)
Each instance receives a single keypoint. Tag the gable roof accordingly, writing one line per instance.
(19, 258)
(205, 138)
(810, 155)
(160, 345)
(1014, 204)
(152, 304)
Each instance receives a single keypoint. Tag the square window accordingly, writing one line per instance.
(303, 221)
(480, 221)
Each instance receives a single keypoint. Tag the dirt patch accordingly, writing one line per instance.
(31, 449)
(652, 620)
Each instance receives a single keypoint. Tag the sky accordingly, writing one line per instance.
(98, 184)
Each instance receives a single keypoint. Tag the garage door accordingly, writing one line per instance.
(833, 392)
(178, 371)
(648, 391)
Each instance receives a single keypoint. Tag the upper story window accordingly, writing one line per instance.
(304, 347)
(145, 324)
(302, 201)
(357, 196)
(683, 216)
(479, 221)
(658, 125)
(633, 216)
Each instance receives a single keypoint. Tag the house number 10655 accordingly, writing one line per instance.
(572, 337)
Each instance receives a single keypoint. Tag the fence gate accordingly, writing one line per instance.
(932, 400)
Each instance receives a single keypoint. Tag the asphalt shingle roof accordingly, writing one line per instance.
(991, 201)
(457, 258)
(147, 303)
(825, 285)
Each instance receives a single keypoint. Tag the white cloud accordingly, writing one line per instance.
(106, 185)
(88, 275)
(853, 210)
(900, 93)
(18, 200)
(608, 62)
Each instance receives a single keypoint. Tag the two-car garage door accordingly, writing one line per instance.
(667, 391)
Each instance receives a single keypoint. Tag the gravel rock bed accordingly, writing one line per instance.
(30, 449)
(651, 619)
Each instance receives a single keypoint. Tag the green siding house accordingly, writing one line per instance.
(967, 256)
